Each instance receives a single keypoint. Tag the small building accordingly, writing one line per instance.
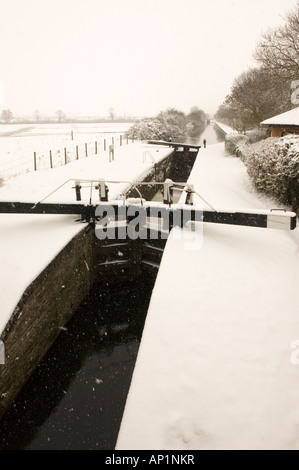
(285, 123)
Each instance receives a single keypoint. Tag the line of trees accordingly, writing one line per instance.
(6, 115)
(169, 125)
(267, 89)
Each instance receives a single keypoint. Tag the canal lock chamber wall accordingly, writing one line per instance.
(54, 296)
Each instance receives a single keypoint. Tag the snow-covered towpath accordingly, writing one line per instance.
(214, 368)
(28, 243)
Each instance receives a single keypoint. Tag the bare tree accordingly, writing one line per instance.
(111, 113)
(225, 113)
(196, 120)
(197, 116)
(272, 88)
(37, 115)
(255, 96)
(6, 115)
(60, 115)
(278, 50)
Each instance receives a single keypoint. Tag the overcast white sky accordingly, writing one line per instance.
(137, 56)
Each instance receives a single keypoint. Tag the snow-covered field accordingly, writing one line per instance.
(19, 142)
(28, 243)
(216, 368)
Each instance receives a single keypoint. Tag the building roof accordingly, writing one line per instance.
(290, 118)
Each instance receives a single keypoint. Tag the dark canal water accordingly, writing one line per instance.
(76, 397)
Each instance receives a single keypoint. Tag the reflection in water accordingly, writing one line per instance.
(211, 133)
(75, 398)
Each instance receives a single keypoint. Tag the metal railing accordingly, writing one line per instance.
(278, 219)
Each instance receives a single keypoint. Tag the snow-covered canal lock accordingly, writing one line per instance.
(249, 320)
(75, 398)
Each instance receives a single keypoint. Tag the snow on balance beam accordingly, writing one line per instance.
(281, 220)
(275, 219)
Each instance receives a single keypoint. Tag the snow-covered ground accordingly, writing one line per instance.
(19, 142)
(214, 368)
(28, 243)
(226, 129)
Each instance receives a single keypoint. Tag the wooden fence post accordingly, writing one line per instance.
(96, 147)
(65, 156)
(86, 150)
(35, 165)
(77, 152)
(121, 141)
(111, 152)
(51, 161)
(104, 145)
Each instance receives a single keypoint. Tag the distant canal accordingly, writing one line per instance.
(210, 133)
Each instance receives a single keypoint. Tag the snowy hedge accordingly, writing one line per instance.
(166, 126)
(234, 143)
(273, 166)
(151, 128)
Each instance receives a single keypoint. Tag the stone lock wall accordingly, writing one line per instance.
(45, 307)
